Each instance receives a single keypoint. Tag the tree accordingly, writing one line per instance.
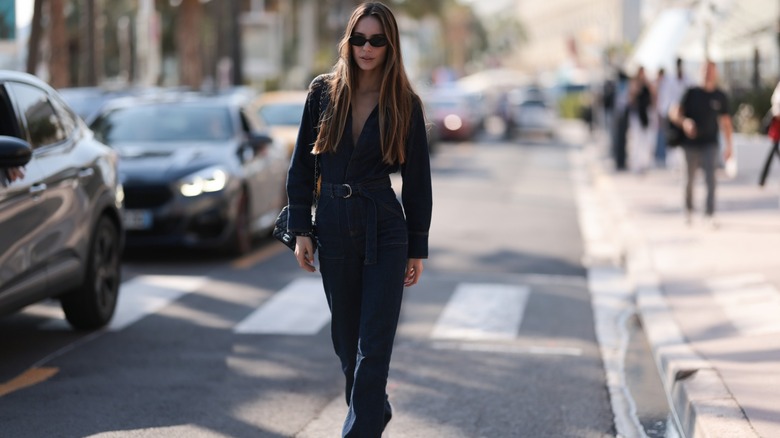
(188, 43)
(59, 64)
(34, 43)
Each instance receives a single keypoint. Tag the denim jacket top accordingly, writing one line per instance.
(354, 164)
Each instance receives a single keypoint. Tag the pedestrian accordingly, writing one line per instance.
(619, 133)
(369, 247)
(702, 114)
(660, 136)
(772, 129)
(640, 123)
(670, 90)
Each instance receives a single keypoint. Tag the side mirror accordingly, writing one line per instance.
(14, 152)
(258, 142)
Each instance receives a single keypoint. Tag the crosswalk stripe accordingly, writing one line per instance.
(482, 312)
(139, 297)
(147, 294)
(298, 309)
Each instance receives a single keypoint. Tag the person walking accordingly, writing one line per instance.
(670, 90)
(702, 114)
(640, 123)
(370, 247)
(772, 129)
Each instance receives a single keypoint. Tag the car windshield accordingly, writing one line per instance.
(288, 114)
(164, 123)
(83, 104)
(445, 102)
(533, 103)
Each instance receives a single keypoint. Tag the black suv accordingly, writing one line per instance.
(61, 232)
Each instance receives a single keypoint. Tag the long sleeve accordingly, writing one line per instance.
(300, 175)
(417, 194)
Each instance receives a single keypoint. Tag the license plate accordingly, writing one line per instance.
(137, 219)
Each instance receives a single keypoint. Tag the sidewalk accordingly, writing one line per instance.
(708, 297)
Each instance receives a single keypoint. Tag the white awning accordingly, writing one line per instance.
(736, 29)
(658, 46)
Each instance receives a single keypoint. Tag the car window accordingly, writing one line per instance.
(282, 113)
(44, 126)
(164, 123)
(66, 116)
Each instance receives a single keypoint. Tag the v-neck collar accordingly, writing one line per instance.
(355, 142)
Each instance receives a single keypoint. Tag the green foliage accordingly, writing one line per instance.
(419, 9)
(571, 105)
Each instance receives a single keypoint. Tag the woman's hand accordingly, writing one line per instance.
(304, 253)
(414, 269)
(14, 173)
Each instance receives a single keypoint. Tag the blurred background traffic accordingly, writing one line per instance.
(143, 73)
(497, 65)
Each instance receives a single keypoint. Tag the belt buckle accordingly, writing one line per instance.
(349, 195)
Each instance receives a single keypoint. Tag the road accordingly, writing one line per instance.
(497, 340)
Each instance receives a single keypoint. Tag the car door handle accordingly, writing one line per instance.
(37, 189)
(84, 173)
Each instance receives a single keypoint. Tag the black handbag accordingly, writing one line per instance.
(280, 232)
(674, 134)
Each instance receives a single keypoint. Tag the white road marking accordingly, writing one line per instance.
(509, 349)
(298, 309)
(482, 312)
(141, 296)
(147, 294)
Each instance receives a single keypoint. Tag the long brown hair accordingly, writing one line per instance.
(396, 96)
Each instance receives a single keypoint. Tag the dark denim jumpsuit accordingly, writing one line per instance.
(365, 239)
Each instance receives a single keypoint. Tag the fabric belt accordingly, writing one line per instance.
(365, 190)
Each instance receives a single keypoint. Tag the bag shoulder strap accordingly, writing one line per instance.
(320, 83)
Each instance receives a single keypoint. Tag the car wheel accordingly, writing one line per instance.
(92, 305)
(241, 241)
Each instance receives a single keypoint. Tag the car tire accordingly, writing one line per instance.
(240, 242)
(92, 305)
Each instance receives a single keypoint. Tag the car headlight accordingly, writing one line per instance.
(211, 179)
(453, 122)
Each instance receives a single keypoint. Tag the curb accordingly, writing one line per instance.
(701, 404)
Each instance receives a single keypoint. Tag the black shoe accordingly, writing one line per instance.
(388, 412)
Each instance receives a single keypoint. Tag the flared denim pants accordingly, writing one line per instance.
(364, 295)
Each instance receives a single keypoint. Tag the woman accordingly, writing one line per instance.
(372, 125)
(642, 126)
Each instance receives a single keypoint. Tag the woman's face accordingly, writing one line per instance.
(367, 56)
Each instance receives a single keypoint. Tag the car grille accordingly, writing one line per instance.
(146, 196)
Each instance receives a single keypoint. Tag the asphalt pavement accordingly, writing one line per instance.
(707, 295)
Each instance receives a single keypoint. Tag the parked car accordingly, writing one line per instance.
(282, 111)
(454, 114)
(197, 170)
(530, 114)
(60, 207)
(87, 101)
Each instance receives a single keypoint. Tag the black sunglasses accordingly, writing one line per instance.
(375, 41)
